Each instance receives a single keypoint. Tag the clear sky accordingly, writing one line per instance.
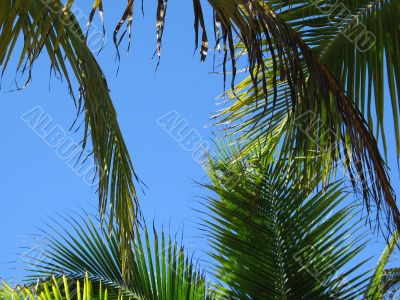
(37, 184)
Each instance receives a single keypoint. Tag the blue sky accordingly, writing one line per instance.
(37, 184)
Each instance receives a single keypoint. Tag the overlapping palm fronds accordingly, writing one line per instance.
(308, 82)
(360, 47)
(271, 235)
(302, 92)
(272, 238)
(158, 267)
(49, 26)
(314, 61)
(298, 75)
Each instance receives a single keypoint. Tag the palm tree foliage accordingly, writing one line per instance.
(294, 68)
(357, 42)
(321, 113)
(383, 282)
(390, 283)
(272, 238)
(271, 227)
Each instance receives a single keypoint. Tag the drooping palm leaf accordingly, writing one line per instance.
(288, 74)
(158, 267)
(272, 238)
(358, 42)
(49, 26)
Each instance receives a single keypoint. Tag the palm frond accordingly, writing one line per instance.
(158, 267)
(290, 75)
(52, 27)
(273, 238)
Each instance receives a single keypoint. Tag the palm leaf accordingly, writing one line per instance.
(357, 41)
(289, 76)
(52, 27)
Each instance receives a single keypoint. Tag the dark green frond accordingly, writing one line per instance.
(358, 42)
(361, 49)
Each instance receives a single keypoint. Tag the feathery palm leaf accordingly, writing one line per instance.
(274, 239)
(50, 26)
(157, 269)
